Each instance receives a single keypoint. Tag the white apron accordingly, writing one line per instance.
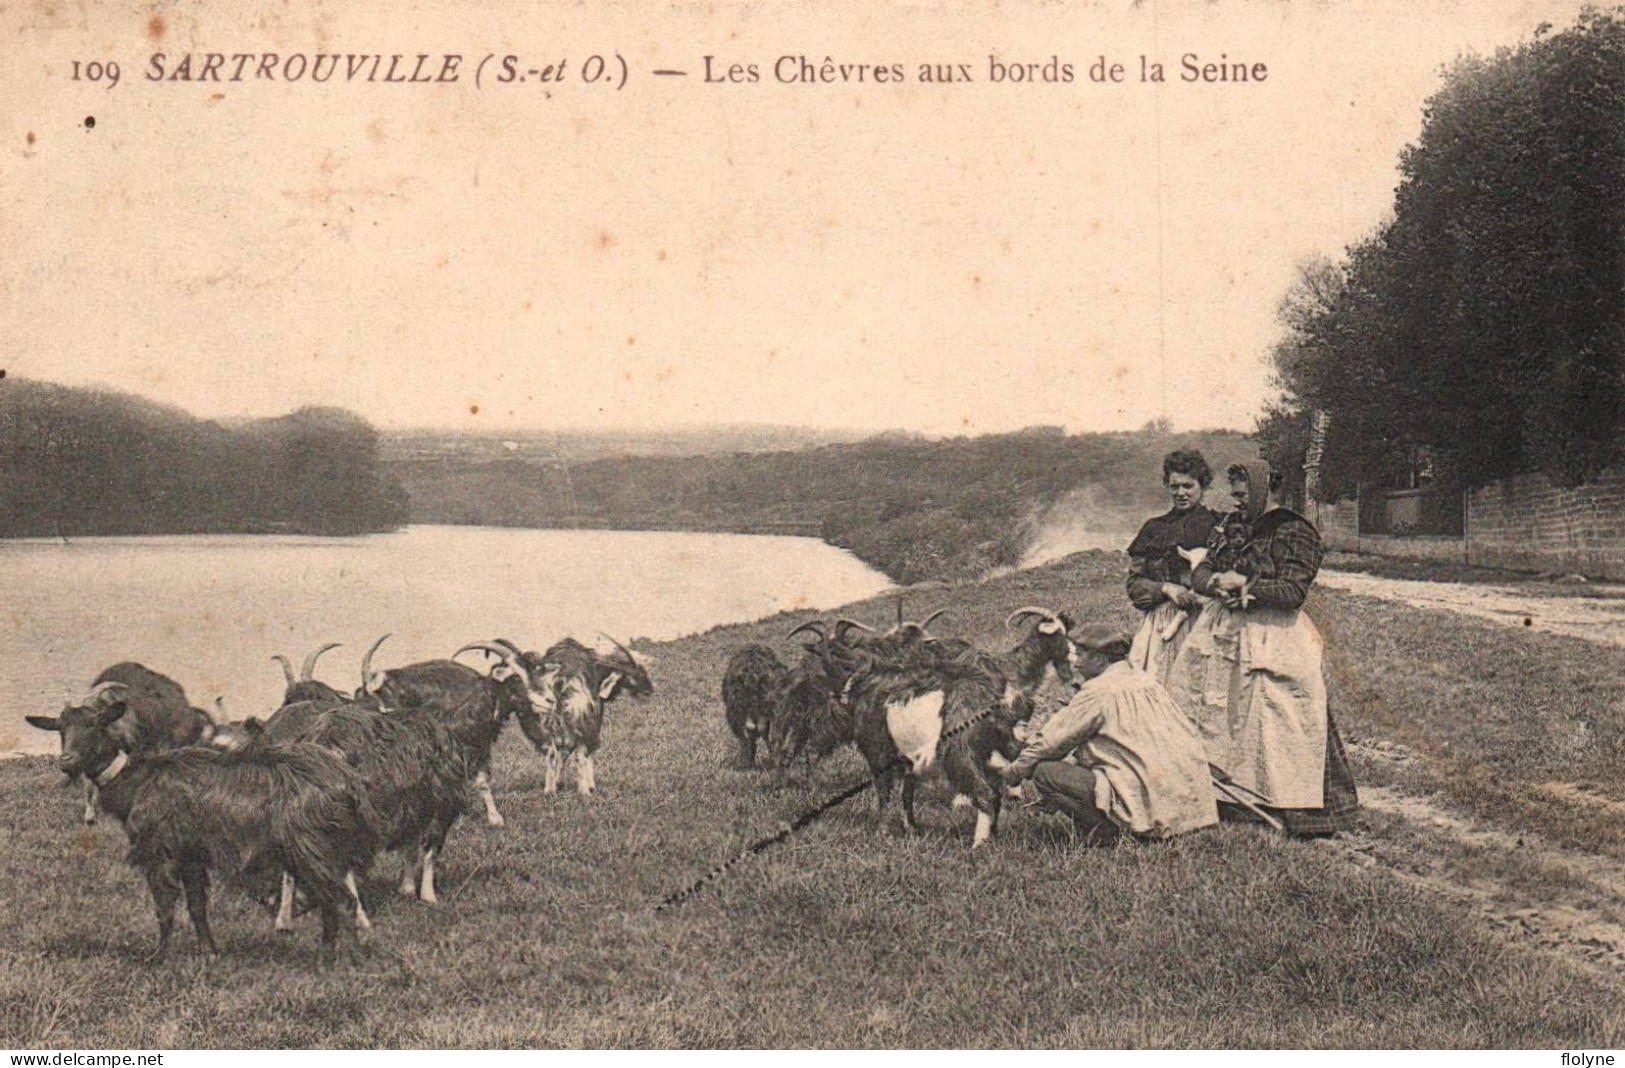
(1162, 633)
(1278, 721)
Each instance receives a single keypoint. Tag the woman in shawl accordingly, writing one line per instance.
(1160, 560)
(1283, 749)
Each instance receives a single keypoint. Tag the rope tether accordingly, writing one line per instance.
(801, 821)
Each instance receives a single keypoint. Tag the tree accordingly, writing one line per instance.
(1486, 319)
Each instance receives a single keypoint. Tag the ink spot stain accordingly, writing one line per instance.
(976, 280)
(2, 372)
(30, 138)
(473, 409)
(1120, 372)
(604, 241)
(155, 27)
(90, 122)
(661, 255)
(1528, 622)
(631, 339)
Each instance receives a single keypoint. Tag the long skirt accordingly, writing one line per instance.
(1254, 683)
(1161, 635)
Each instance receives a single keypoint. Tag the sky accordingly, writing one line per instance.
(946, 259)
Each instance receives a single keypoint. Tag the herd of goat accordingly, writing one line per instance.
(307, 798)
(313, 793)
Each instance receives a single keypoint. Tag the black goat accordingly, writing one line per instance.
(903, 707)
(814, 716)
(472, 707)
(154, 716)
(753, 683)
(414, 783)
(903, 715)
(259, 809)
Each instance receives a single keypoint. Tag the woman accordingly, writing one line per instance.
(1282, 745)
(1160, 569)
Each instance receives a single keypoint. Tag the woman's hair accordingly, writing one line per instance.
(1187, 462)
(1236, 471)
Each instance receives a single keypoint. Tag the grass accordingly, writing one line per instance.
(846, 936)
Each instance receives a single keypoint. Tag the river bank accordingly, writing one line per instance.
(851, 936)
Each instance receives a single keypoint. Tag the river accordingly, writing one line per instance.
(209, 611)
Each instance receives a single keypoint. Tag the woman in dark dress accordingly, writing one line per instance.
(1160, 563)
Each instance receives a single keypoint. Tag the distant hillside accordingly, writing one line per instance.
(86, 461)
(581, 446)
(912, 507)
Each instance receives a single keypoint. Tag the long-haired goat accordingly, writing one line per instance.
(811, 719)
(904, 721)
(580, 682)
(472, 706)
(259, 809)
(904, 706)
(814, 716)
(157, 717)
(414, 783)
(753, 683)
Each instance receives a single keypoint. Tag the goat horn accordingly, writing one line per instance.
(287, 668)
(928, 620)
(843, 624)
(310, 661)
(618, 645)
(814, 625)
(366, 665)
(101, 689)
(492, 648)
(1029, 610)
(515, 650)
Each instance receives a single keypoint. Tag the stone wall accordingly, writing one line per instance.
(1523, 523)
(1528, 524)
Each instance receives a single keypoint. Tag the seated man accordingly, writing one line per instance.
(1140, 766)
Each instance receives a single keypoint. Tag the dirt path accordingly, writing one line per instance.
(1567, 903)
(1599, 619)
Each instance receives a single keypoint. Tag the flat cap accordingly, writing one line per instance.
(1102, 638)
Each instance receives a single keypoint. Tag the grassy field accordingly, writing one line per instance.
(851, 936)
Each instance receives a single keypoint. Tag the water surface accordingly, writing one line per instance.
(209, 611)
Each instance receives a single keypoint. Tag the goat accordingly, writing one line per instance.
(903, 707)
(814, 717)
(580, 681)
(472, 706)
(413, 778)
(306, 688)
(264, 807)
(811, 718)
(904, 714)
(160, 717)
(752, 685)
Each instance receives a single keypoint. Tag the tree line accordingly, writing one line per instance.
(85, 461)
(1483, 325)
(914, 508)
